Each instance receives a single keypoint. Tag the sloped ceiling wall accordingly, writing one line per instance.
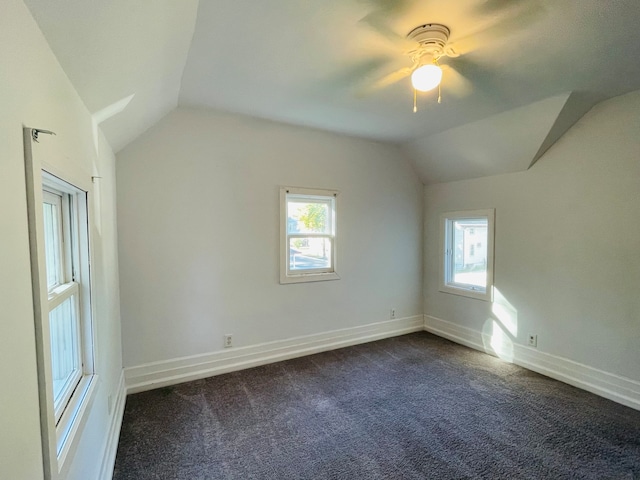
(508, 142)
(117, 50)
(295, 62)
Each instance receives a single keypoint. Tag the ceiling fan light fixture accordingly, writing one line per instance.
(426, 77)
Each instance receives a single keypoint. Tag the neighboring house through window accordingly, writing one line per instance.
(467, 253)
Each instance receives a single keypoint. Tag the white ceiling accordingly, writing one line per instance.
(300, 61)
(112, 49)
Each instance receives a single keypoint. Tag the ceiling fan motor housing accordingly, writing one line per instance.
(432, 38)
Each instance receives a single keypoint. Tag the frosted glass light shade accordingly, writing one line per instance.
(426, 77)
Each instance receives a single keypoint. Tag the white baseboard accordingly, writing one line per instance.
(614, 387)
(170, 372)
(111, 447)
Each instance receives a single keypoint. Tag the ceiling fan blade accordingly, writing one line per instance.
(482, 78)
(494, 6)
(471, 69)
(380, 16)
(393, 77)
(454, 82)
(508, 25)
(379, 24)
(356, 73)
(389, 7)
(387, 80)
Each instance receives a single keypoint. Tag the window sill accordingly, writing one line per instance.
(69, 429)
(308, 277)
(468, 292)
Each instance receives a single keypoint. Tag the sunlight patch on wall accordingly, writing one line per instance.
(106, 113)
(496, 340)
(505, 312)
(499, 333)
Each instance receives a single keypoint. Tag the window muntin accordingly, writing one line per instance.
(467, 253)
(308, 218)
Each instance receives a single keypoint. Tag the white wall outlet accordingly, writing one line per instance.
(392, 314)
(533, 340)
(228, 340)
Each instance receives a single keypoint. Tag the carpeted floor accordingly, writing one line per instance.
(410, 407)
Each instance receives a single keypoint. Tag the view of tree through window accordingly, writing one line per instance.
(309, 251)
(308, 239)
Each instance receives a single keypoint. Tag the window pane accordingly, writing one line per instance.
(309, 253)
(65, 360)
(470, 252)
(52, 245)
(308, 217)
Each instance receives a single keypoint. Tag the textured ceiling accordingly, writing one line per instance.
(305, 62)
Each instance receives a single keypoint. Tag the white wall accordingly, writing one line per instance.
(198, 212)
(35, 92)
(567, 241)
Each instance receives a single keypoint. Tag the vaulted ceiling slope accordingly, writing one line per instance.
(121, 56)
(507, 142)
(312, 63)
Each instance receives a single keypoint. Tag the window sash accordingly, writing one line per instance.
(66, 337)
(68, 332)
(314, 199)
(54, 238)
(448, 283)
(307, 271)
(329, 234)
(450, 258)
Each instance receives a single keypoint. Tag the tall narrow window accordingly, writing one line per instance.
(308, 235)
(67, 312)
(63, 294)
(58, 218)
(467, 253)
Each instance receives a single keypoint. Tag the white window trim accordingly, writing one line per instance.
(60, 438)
(302, 276)
(445, 254)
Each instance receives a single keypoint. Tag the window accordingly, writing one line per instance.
(63, 295)
(308, 235)
(467, 253)
(58, 219)
(67, 343)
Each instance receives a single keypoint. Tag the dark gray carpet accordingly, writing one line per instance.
(411, 407)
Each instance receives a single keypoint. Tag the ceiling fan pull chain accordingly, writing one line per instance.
(439, 94)
(415, 100)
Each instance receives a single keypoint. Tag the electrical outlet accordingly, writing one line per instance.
(392, 314)
(533, 340)
(228, 341)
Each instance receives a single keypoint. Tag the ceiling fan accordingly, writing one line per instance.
(426, 74)
(428, 43)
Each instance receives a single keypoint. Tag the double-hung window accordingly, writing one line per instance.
(63, 292)
(308, 235)
(58, 218)
(66, 344)
(467, 253)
